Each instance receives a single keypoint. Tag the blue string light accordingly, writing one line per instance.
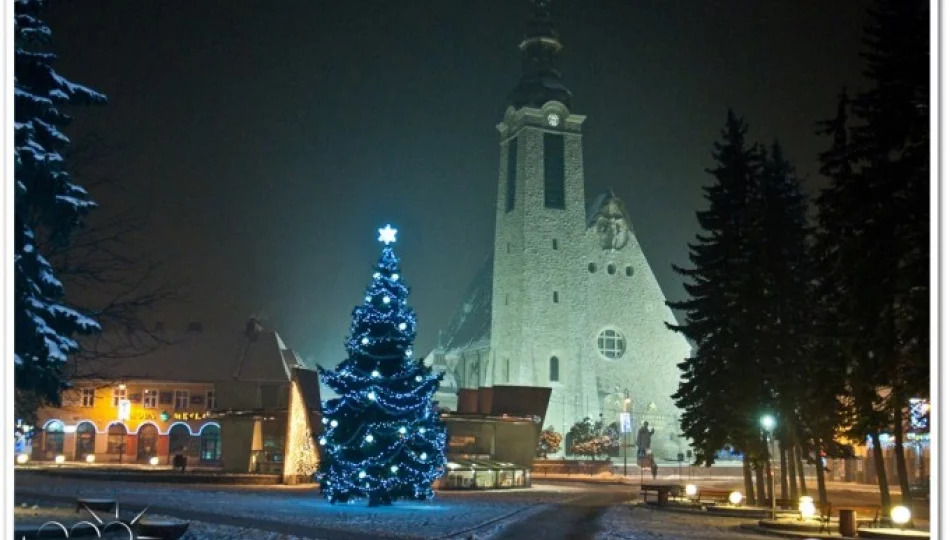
(383, 442)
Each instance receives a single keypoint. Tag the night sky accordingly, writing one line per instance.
(265, 142)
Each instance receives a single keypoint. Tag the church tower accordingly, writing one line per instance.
(540, 225)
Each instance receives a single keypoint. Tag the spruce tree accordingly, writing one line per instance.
(719, 389)
(384, 439)
(48, 207)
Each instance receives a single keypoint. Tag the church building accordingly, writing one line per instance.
(567, 299)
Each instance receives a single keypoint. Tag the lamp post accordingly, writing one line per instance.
(768, 424)
(625, 426)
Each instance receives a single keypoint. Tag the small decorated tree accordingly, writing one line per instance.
(384, 439)
(549, 442)
(593, 439)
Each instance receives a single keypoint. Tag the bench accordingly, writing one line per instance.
(712, 495)
(662, 492)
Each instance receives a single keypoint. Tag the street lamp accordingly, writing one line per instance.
(768, 424)
(625, 426)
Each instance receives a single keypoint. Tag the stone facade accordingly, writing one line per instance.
(570, 301)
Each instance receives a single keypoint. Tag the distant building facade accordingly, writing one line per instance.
(220, 399)
(567, 300)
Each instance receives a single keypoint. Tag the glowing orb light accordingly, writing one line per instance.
(22, 458)
(735, 497)
(395, 277)
(91, 458)
(385, 299)
(402, 430)
(375, 373)
(376, 275)
(368, 299)
(691, 490)
(369, 438)
(362, 474)
(323, 441)
(334, 423)
(806, 506)
(371, 396)
(768, 422)
(325, 421)
(408, 352)
(60, 459)
(900, 515)
(402, 326)
(423, 456)
(422, 430)
(394, 468)
(418, 378)
(153, 461)
(365, 341)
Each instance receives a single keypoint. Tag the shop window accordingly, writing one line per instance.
(115, 442)
(54, 438)
(147, 443)
(211, 443)
(85, 440)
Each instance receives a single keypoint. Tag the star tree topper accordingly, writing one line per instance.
(387, 235)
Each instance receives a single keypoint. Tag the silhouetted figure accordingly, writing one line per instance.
(644, 438)
(654, 468)
(180, 462)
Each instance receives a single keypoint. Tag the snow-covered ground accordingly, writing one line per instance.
(636, 522)
(450, 514)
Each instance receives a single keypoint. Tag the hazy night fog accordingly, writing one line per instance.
(266, 142)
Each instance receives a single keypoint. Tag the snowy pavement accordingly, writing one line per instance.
(637, 522)
(301, 512)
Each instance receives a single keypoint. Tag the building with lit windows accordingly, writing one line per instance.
(225, 400)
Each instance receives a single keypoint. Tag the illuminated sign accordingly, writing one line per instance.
(142, 415)
(125, 409)
(625, 423)
(189, 416)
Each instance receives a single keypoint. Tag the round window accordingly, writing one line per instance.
(611, 344)
(611, 269)
(629, 271)
(592, 267)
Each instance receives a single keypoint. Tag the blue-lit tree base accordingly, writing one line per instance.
(383, 437)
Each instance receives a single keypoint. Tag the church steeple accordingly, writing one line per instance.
(540, 79)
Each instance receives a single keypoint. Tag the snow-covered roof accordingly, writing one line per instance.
(471, 322)
(203, 356)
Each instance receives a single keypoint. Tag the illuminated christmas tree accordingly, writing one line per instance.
(383, 437)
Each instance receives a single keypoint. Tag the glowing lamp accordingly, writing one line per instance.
(385, 299)
(371, 396)
(735, 498)
(395, 277)
(153, 461)
(60, 459)
(402, 326)
(402, 430)
(365, 341)
(325, 421)
(806, 506)
(767, 422)
(334, 423)
(122, 387)
(362, 474)
(323, 441)
(418, 378)
(422, 430)
(900, 515)
(91, 458)
(22, 458)
(691, 490)
(369, 438)
(375, 374)
(394, 468)
(423, 456)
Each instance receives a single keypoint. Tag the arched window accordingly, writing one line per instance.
(178, 438)
(85, 440)
(115, 443)
(211, 443)
(555, 369)
(148, 442)
(53, 444)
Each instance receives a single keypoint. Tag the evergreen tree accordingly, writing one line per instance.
(48, 207)
(384, 438)
(720, 390)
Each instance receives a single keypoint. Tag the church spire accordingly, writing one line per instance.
(540, 79)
